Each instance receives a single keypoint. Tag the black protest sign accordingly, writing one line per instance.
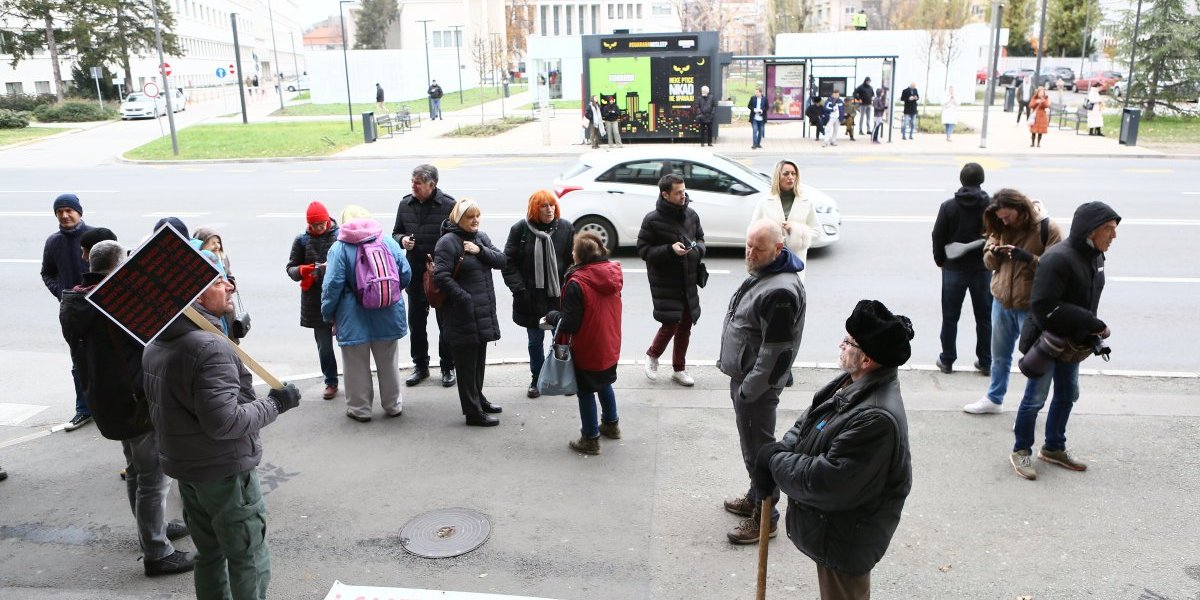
(160, 279)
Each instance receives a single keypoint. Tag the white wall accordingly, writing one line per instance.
(567, 50)
(400, 72)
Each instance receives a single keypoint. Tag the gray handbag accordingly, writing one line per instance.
(558, 372)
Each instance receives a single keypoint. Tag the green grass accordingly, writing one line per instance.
(256, 140)
(1163, 129)
(931, 122)
(450, 102)
(305, 95)
(489, 128)
(13, 136)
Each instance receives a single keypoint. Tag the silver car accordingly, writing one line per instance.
(140, 106)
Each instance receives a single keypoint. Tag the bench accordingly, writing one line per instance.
(407, 120)
(537, 107)
(1079, 117)
(387, 122)
(1058, 111)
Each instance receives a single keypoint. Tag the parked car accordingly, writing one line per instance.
(1050, 76)
(1166, 89)
(1096, 77)
(140, 106)
(178, 100)
(297, 84)
(608, 193)
(1010, 76)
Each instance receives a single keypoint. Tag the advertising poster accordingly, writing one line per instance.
(655, 93)
(786, 91)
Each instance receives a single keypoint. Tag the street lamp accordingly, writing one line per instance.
(428, 79)
(346, 61)
(275, 49)
(458, 58)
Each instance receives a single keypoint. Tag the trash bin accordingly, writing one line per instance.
(505, 87)
(1010, 99)
(1130, 117)
(369, 133)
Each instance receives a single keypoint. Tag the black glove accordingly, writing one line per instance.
(285, 398)
(764, 481)
(1020, 254)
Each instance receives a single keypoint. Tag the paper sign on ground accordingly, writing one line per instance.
(341, 591)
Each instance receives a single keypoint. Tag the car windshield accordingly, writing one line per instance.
(136, 98)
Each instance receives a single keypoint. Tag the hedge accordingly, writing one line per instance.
(73, 112)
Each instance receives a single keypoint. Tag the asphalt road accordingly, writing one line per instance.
(888, 205)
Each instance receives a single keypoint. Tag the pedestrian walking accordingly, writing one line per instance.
(760, 338)
(908, 123)
(463, 262)
(758, 118)
(365, 329)
(62, 269)
(949, 112)
(595, 121)
(1024, 95)
(865, 95)
(788, 206)
(435, 100)
(590, 320)
(1064, 302)
(1040, 106)
(706, 109)
(538, 253)
(419, 218)
(1016, 234)
(612, 121)
(307, 264)
(1095, 110)
(958, 252)
(880, 108)
(207, 420)
(671, 241)
(380, 107)
(851, 112)
(109, 363)
(845, 465)
(833, 115)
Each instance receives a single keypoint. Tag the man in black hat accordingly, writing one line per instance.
(845, 465)
(958, 252)
(62, 269)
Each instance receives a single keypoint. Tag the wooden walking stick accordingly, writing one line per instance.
(764, 536)
(194, 316)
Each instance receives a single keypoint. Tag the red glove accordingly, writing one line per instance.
(306, 276)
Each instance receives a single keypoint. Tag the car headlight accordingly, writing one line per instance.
(829, 229)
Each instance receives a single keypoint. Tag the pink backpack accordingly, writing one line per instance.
(376, 281)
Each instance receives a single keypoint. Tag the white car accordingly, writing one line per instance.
(296, 85)
(609, 193)
(140, 106)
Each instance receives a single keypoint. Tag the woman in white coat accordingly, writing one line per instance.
(1095, 114)
(949, 112)
(787, 206)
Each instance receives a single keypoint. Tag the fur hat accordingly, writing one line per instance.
(881, 335)
(68, 201)
(317, 213)
(971, 175)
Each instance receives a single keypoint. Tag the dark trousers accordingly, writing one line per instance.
(418, 321)
(955, 286)
(329, 368)
(835, 585)
(681, 333)
(705, 133)
(228, 522)
(1022, 108)
(471, 360)
(81, 407)
(755, 419)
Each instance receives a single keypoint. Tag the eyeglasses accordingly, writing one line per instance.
(849, 342)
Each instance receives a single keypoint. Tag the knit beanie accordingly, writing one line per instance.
(881, 335)
(215, 262)
(68, 201)
(95, 236)
(175, 224)
(317, 213)
(971, 175)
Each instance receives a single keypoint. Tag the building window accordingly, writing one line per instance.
(595, 18)
(42, 87)
(14, 88)
(582, 18)
(570, 17)
(545, 12)
(639, 11)
(612, 11)
(660, 9)
(437, 39)
(557, 17)
(620, 11)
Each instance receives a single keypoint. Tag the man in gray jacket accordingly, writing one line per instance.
(759, 340)
(207, 419)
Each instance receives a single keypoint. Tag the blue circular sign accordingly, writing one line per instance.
(221, 72)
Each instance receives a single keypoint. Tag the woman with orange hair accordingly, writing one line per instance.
(539, 252)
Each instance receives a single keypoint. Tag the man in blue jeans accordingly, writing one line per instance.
(63, 267)
(909, 97)
(1066, 294)
(958, 251)
(758, 118)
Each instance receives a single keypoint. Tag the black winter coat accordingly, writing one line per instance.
(960, 219)
(308, 249)
(865, 93)
(672, 277)
(62, 259)
(706, 108)
(847, 471)
(610, 112)
(423, 221)
(531, 304)
(469, 314)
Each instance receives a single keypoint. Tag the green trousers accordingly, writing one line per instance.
(228, 521)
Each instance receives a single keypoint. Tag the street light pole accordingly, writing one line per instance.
(1041, 50)
(458, 58)
(428, 78)
(989, 95)
(162, 68)
(1087, 22)
(346, 62)
(1137, 24)
(275, 49)
(237, 57)
(295, 65)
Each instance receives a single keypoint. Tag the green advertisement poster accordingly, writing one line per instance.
(620, 76)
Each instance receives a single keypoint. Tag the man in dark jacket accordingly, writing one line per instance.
(109, 363)
(833, 114)
(815, 112)
(958, 252)
(207, 419)
(62, 269)
(845, 465)
(435, 100)
(865, 94)
(418, 226)
(612, 121)
(380, 107)
(306, 264)
(758, 118)
(908, 124)
(671, 241)
(1066, 295)
(759, 341)
(706, 108)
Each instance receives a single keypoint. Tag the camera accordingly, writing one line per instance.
(1100, 348)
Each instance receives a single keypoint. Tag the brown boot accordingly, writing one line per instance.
(585, 445)
(611, 430)
(741, 506)
(747, 532)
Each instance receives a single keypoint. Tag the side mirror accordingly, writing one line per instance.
(740, 189)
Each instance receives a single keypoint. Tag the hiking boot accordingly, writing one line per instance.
(651, 368)
(418, 375)
(330, 392)
(982, 406)
(171, 564)
(77, 422)
(682, 378)
(533, 391)
(586, 445)
(611, 430)
(1023, 464)
(177, 529)
(1061, 458)
(747, 531)
(741, 506)
(945, 368)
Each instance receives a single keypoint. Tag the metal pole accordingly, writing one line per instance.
(295, 65)
(237, 55)
(1137, 24)
(989, 95)
(162, 62)
(99, 98)
(346, 62)
(1041, 50)
(428, 79)
(275, 49)
(495, 65)
(458, 58)
(1087, 22)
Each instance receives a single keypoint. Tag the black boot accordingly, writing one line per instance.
(533, 391)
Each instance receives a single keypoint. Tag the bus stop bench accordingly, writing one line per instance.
(1079, 117)
(388, 122)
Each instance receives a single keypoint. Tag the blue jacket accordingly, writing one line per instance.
(352, 323)
(835, 109)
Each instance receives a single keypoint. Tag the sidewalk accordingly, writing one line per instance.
(644, 519)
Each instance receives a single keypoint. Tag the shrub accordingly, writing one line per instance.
(73, 112)
(11, 119)
(25, 102)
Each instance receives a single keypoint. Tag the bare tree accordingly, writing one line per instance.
(518, 23)
(481, 54)
(702, 15)
(786, 16)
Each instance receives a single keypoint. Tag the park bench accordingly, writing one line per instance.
(1058, 111)
(1079, 117)
(537, 107)
(387, 122)
(406, 119)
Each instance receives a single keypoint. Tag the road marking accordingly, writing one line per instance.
(710, 271)
(302, 171)
(175, 214)
(1054, 170)
(1147, 170)
(192, 169)
(1191, 193)
(281, 215)
(239, 170)
(393, 189)
(369, 170)
(1155, 279)
(883, 219)
(59, 191)
(26, 213)
(20, 261)
(12, 414)
(893, 190)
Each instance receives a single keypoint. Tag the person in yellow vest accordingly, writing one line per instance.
(860, 20)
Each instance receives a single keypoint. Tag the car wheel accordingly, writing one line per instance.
(601, 228)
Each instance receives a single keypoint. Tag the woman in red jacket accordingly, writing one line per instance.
(591, 318)
(1039, 105)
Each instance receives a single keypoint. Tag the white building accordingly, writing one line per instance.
(205, 34)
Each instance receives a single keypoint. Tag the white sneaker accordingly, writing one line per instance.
(982, 406)
(682, 378)
(651, 368)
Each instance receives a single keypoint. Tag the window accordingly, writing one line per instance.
(620, 11)
(570, 17)
(582, 18)
(595, 18)
(639, 11)
(557, 18)
(437, 39)
(660, 9)
(545, 12)
(706, 179)
(646, 172)
(14, 88)
(612, 11)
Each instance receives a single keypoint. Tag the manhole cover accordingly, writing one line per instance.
(445, 532)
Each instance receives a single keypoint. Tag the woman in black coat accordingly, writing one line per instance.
(671, 241)
(307, 265)
(463, 259)
(539, 252)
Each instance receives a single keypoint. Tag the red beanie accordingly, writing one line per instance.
(317, 213)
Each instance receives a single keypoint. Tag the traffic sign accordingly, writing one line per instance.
(221, 72)
(150, 89)
(232, 70)
(96, 73)
(165, 68)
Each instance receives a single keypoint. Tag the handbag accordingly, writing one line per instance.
(558, 371)
(701, 275)
(240, 325)
(434, 295)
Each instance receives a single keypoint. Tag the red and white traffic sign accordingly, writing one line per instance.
(150, 89)
(232, 70)
(165, 68)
